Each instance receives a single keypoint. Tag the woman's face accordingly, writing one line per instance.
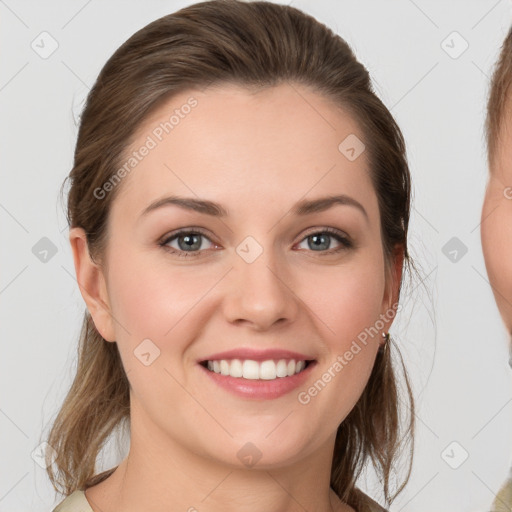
(496, 225)
(254, 276)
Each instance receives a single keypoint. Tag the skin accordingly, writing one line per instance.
(496, 229)
(257, 155)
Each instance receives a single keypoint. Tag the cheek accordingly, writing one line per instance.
(496, 234)
(159, 310)
(347, 310)
(155, 298)
(152, 299)
(347, 299)
(347, 307)
(171, 304)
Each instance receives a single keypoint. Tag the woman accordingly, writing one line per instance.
(239, 207)
(496, 228)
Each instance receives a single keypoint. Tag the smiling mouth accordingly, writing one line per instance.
(270, 369)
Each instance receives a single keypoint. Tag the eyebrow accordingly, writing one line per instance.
(302, 208)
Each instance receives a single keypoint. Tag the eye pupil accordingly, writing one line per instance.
(323, 237)
(191, 241)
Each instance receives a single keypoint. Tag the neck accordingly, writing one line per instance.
(159, 474)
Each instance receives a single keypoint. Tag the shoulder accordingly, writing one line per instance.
(373, 506)
(75, 502)
(503, 500)
(367, 504)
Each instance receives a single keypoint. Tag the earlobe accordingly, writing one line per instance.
(91, 282)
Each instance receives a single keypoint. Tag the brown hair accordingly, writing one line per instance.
(499, 100)
(254, 44)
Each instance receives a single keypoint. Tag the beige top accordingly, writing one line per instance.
(77, 502)
(503, 500)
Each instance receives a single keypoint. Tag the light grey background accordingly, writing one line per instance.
(451, 334)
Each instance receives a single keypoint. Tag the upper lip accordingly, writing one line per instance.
(257, 355)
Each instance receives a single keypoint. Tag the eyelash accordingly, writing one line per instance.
(344, 241)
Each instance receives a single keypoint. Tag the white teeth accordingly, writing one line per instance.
(235, 368)
(257, 370)
(282, 368)
(250, 370)
(268, 370)
(224, 367)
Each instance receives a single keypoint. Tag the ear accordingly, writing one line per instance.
(91, 282)
(392, 289)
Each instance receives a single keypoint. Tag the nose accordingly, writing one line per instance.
(260, 295)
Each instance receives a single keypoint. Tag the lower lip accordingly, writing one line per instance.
(260, 389)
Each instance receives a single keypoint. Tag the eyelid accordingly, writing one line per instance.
(166, 239)
(326, 229)
(344, 239)
(180, 231)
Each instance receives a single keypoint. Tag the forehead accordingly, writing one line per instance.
(231, 144)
